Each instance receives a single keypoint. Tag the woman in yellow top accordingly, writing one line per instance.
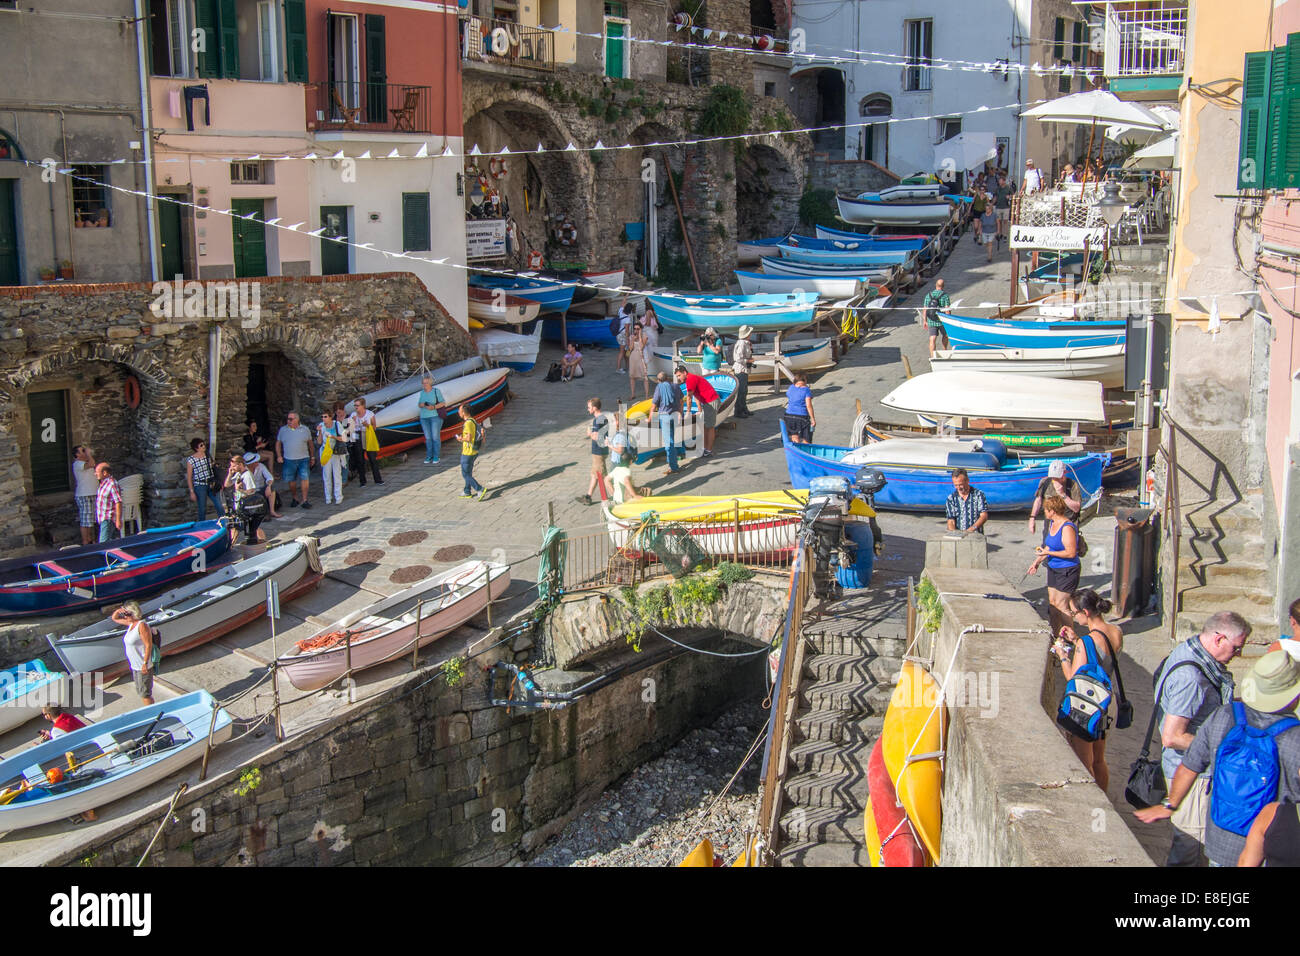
(471, 443)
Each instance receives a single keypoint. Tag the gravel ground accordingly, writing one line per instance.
(653, 816)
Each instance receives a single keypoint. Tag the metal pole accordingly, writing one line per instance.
(347, 638)
(203, 770)
(415, 651)
(1146, 409)
(735, 503)
(275, 683)
(487, 587)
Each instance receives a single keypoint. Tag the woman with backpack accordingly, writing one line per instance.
(471, 443)
(1060, 550)
(1089, 610)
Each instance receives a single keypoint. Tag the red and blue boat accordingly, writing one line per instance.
(79, 579)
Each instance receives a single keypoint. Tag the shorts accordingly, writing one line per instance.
(934, 325)
(1064, 579)
(86, 512)
(622, 340)
(143, 683)
(799, 426)
(295, 469)
(1004, 213)
(710, 413)
(598, 465)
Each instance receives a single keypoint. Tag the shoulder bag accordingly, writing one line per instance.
(1146, 779)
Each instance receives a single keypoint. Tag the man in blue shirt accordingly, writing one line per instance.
(967, 508)
(666, 403)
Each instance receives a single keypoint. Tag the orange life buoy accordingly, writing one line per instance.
(534, 259)
(566, 234)
(498, 168)
(132, 392)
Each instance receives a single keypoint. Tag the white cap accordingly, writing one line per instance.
(1056, 469)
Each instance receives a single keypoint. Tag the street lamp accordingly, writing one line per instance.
(1110, 205)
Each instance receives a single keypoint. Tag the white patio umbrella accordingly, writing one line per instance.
(1093, 107)
(1159, 155)
(965, 151)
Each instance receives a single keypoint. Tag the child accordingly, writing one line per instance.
(471, 444)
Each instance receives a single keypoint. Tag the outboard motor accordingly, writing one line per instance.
(843, 548)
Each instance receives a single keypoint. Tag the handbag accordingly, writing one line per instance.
(371, 440)
(1146, 779)
(214, 483)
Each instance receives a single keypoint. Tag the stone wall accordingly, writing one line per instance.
(849, 176)
(438, 777)
(1014, 793)
(86, 339)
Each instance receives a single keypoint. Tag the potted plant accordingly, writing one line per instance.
(65, 269)
(47, 274)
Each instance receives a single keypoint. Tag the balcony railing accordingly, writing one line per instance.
(487, 40)
(369, 107)
(1146, 40)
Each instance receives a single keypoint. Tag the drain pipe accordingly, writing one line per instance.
(535, 699)
(146, 141)
(214, 383)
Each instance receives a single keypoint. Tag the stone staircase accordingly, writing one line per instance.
(1226, 563)
(847, 683)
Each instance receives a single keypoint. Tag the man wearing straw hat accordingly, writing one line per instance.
(1269, 694)
(742, 358)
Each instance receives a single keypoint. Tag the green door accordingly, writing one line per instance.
(169, 240)
(334, 255)
(614, 44)
(250, 237)
(50, 463)
(8, 235)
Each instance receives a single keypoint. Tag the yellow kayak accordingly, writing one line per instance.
(475, 324)
(872, 835)
(914, 725)
(759, 504)
(702, 855)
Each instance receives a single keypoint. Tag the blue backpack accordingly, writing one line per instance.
(1246, 772)
(1087, 698)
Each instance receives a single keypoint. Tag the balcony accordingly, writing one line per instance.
(506, 43)
(339, 105)
(1145, 44)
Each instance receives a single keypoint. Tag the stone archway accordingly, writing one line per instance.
(769, 184)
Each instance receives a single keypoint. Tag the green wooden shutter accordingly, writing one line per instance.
(295, 40)
(1058, 47)
(207, 18)
(49, 459)
(376, 70)
(1254, 121)
(415, 222)
(1273, 138)
(229, 27)
(1284, 109)
(1080, 43)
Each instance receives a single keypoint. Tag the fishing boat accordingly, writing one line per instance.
(91, 767)
(760, 523)
(644, 428)
(390, 393)
(25, 689)
(900, 213)
(200, 611)
(581, 332)
(454, 392)
(826, 287)
(775, 266)
(754, 249)
(904, 240)
(905, 191)
(890, 837)
(987, 395)
(388, 628)
(494, 307)
(518, 352)
(977, 332)
(796, 355)
(609, 284)
(1098, 363)
(727, 313)
(488, 401)
(90, 576)
(550, 295)
(911, 744)
(863, 257)
(925, 484)
(836, 241)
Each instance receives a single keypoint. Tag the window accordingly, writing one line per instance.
(90, 194)
(948, 128)
(267, 45)
(48, 454)
(169, 30)
(415, 222)
(878, 105)
(769, 89)
(250, 172)
(919, 50)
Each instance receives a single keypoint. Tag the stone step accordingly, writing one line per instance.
(849, 696)
(1210, 598)
(822, 854)
(837, 726)
(825, 668)
(885, 645)
(821, 825)
(1231, 520)
(829, 756)
(846, 789)
(1250, 576)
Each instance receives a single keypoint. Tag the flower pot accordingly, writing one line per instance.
(65, 272)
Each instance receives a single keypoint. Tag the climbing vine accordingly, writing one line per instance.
(725, 113)
(817, 207)
(249, 780)
(929, 605)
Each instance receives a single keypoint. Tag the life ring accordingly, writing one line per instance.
(498, 168)
(566, 234)
(534, 259)
(132, 390)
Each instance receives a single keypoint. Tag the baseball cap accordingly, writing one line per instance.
(1056, 469)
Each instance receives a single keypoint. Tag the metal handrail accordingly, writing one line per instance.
(515, 45)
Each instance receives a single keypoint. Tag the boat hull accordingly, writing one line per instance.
(765, 312)
(549, 295)
(580, 331)
(788, 267)
(865, 212)
(1020, 398)
(798, 355)
(689, 432)
(1104, 364)
(890, 838)
(914, 725)
(828, 287)
(518, 352)
(394, 439)
(926, 489)
(377, 399)
(485, 306)
(25, 689)
(972, 332)
(199, 612)
(885, 258)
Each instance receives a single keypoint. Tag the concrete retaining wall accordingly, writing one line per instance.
(1014, 792)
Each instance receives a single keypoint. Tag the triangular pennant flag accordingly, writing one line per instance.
(296, 226)
(447, 150)
(365, 155)
(394, 154)
(310, 156)
(338, 155)
(540, 147)
(476, 151)
(707, 32)
(423, 151)
(504, 151)
(254, 158)
(599, 145)
(570, 148)
(273, 222)
(316, 232)
(722, 35)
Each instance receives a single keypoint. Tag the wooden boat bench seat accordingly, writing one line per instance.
(54, 570)
(120, 554)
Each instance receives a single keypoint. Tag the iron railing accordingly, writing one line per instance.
(503, 42)
(1146, 40)
(377, 107)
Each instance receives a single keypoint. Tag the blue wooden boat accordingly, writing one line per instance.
(91, 767)
(552, 296)
(788, 267)
(727, 313)
(79, 579)
(862, 257)
(826, 234)
(1009, 486)
(975, 332)
(25, 689)
(644, 427)
(580, 331)
(753, 249)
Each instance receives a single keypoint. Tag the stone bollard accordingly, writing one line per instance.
(955, 550)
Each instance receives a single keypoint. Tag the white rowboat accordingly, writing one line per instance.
(1019, 398)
